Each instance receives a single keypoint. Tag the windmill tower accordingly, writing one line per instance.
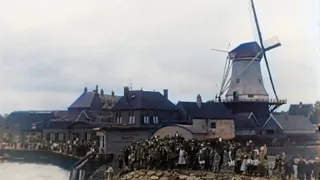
(242, 82)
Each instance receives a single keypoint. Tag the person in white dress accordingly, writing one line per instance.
(109, 173)
(182, 158)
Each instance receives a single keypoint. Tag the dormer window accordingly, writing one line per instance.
(118, 118)
(131, 118)
(155, 120)
(146, 120)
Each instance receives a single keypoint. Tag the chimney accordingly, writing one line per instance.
(126, 93)
(199, 101)
(97, 89)
(165, 93)
(85, 89)
(101, 92)
(112, 93)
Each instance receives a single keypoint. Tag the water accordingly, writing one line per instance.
(22, 171)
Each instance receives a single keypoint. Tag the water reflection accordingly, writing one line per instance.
(23, 171)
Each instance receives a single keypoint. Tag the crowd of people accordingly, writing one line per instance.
(175, 152)
(78, 147)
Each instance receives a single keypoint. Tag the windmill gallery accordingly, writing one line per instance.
(242, 110)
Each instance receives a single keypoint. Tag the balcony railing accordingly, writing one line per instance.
(256, 100)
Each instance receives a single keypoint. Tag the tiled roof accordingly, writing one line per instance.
(25, 119)
(144, 100)
(246, 121)
(292, 122)
(60, 114)
(300, 109)
(208, 110)
(58, 124)
(84, 100)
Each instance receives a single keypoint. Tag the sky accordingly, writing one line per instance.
(51, 50)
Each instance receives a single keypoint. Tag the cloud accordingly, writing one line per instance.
(50, 50)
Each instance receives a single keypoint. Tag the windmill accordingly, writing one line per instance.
(242, 82)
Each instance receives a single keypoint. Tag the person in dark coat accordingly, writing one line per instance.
(219, 149)
(289, 167)
(120, 158)
(308, 169)
(316, 169)
(301, 169)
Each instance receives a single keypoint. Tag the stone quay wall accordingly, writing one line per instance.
(40, 156)
(180, 175)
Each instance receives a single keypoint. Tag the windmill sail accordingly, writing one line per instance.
(263, 48)
(271, 43)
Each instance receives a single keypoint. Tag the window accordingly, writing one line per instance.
(250, 95)
(146, 120)
(88, 136)
(61, 137)
(118, 118)
(212, 125)
(103, 140)
(155, 120)
(238, 80)
(52, 137)
(131, 118)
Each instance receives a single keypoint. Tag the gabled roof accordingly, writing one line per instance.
(84, 100)
(208, 110)
(301, 109)
(25, 119)
(291, 122)
(89, 115)
(246, 121)
(140, 99)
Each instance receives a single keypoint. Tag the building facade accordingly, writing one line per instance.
(135, 116)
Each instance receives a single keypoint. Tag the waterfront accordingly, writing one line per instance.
(28, 171)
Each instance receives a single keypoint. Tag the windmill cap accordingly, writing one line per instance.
(246, 50)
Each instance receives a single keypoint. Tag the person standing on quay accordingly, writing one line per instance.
(109, 173)
(120, 157)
